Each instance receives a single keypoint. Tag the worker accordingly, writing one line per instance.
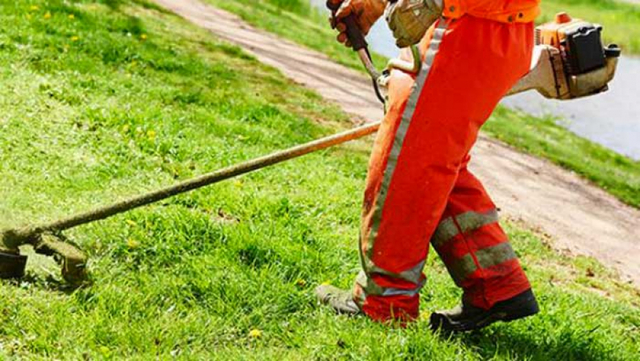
(419, 189)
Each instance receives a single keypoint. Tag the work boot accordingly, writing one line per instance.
(467, 317)
(341, 300)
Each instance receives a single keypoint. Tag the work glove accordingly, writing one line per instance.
(366, 13)
(409, 20)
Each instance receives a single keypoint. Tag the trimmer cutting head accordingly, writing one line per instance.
(68, 255)
(12, 263)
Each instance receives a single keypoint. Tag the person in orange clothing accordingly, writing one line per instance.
(419, 190)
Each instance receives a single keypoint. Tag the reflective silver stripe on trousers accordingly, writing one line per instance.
(493, 256)
(413, 275)
(398, 141)
(468, 221)
(371, 288)
(488, 257)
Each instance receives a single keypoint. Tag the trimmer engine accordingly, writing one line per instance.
(579, 41)
(580, 65)
(569, 61)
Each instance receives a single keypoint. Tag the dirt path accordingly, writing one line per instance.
(580, 217)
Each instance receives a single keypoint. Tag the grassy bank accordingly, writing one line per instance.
(101, 100)
(543, 137)
(299, 22)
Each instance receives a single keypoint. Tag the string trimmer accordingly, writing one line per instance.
(569, 62)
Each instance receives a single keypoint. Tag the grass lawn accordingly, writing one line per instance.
(620, 175)
(104, 99)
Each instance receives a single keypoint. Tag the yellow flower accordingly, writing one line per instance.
(151, 134)
(75, 38)
(71, 16)
(255, 333)
(143, 36)
(47, 15)
(326, 283)
(34, 8)
(132, 243)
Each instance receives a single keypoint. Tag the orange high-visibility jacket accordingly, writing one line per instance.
(507, 11)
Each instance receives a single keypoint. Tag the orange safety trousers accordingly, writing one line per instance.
(419, 189)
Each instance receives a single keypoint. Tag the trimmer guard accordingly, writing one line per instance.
(12, 265)
(68, 255)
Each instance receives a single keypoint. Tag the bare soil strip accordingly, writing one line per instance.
(579, 216)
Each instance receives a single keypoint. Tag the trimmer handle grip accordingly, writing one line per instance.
(355, 36)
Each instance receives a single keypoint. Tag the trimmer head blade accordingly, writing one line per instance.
(12, 265)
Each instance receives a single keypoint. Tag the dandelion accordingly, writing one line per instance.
(132, 243)
(71, 16)
(143, 37)
(326, 283)
(47, 16)
(34, 8)
(75, 38)
(151, 134)
(255, 333)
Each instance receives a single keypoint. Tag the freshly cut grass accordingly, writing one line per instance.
(103, 100)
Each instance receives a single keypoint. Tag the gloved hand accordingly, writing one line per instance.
(366, 13)
(410, 19)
